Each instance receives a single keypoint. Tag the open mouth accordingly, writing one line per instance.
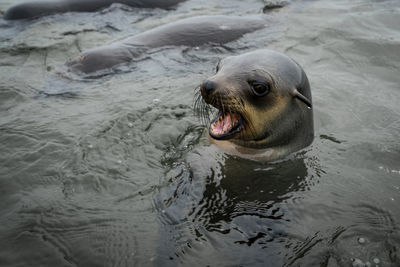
(225, 125)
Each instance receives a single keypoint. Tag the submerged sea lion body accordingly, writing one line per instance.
(186, 32)
(264, 105)
(42, 8)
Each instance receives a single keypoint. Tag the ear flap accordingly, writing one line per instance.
(301, 97)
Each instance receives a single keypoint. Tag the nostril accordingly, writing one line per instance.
(208, 86)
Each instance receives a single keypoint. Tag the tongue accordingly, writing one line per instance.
(224, 124)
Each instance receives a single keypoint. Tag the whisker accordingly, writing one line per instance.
(222, 104)
(228, 102)
(240, 106)
(201, 108)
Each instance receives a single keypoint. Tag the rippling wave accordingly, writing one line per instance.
(117, 170)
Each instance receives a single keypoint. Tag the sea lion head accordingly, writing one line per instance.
(263, 100)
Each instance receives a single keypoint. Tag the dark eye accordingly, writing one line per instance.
(260, 89)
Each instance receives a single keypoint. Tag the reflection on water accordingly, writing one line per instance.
(209, 204)
(115, 171)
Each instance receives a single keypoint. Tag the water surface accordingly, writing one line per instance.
(116, 171)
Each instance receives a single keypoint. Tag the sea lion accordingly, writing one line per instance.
(264, 105)
(42, 8)
(193, 31)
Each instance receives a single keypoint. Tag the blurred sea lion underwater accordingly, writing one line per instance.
(42, 8)
(191, 32)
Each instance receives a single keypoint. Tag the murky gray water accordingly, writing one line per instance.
(119, 173)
